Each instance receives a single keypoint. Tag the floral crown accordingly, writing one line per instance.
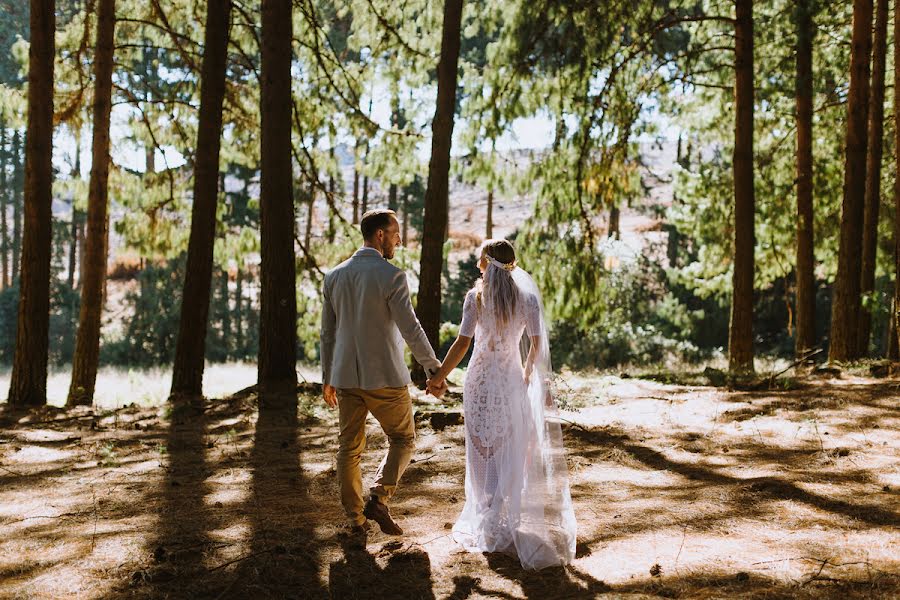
(500, 265)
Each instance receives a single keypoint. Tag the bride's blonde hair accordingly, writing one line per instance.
(496, 290)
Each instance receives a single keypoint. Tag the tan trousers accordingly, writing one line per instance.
(392, 407)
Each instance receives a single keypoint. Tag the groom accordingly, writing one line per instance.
(366, 316)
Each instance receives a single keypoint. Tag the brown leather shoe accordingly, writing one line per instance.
(379, 513)
(361, 529)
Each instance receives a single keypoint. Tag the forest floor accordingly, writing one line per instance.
(679, 491)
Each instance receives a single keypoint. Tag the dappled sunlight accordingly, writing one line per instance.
(674, 497)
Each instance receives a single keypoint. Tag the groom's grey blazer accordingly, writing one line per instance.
(366, 315)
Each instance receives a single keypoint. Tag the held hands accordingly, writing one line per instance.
(330, 394)
(436, 387)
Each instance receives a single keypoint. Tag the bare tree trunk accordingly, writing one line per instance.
(17, 199)
(239, 311)
(73, 238)
(434, 229)
(28, 383)
(845, 303)
(190, 351)
(87, 342)
(310, 216)
(332, 202)
(226, 314)
(355, 188)
(489, 225)
(405, 215)
(874, 154)
(365, 192)
(740, 331)
(277, 372)
(614, 214)
(806, 282)
(4, 195)
(893, 352)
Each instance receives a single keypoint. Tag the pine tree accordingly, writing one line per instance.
(434, 232)
(740, 331)
(28, 383)
(85, 361)
(846, 300)
(187, 374)
(874, 153)
(805, 269)
(278, 298)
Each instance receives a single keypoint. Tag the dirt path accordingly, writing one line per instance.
(680, 492)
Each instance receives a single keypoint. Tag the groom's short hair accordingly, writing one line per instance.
(373, 220)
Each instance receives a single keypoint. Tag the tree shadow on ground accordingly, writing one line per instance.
(358, 575)
(552, 582)
(284, 553)
(182, 533)
(767, 487)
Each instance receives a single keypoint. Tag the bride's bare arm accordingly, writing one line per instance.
(532, 355)
(454, 356)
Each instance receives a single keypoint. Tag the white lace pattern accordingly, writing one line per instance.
(514, 501)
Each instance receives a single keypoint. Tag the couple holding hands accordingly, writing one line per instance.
(516, 483)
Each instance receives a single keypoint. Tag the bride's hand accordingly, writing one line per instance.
(435, 387)
(527, 374)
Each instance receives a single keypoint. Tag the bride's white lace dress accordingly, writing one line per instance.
(517, 492)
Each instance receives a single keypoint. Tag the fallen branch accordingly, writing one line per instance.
(12, 472)
(62, 516)
(239, 559)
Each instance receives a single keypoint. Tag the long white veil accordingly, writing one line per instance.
(547, 529)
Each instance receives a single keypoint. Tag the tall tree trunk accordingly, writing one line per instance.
(428, 307)
(28, 383)
(332, 202)
(395, 123)
(489, 225)
(73, 237)
(87, 342)
(873, 174)
(239, 311)
(806, 282)
(190, 350)
(894, 340)
(278, 299)
(740, 331)
(845, 302)
(365, 192)
(614, 214)
(17, 199)
(4, 195)
(226, 315)
(310, 216)
(355, 187)
(405, 215)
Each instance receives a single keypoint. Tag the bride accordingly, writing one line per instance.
(517, 489)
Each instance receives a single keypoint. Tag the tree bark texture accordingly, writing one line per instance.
(190, 349)
(428, 307)
(740, 331)
(894, 340)
(278, 300)
(874, 153)
(85, 360)
(806, 283)
(4, 196)
(17, 199)
(28, 383)
(845, 300)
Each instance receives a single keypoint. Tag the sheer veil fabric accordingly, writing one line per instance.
(517, 487)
